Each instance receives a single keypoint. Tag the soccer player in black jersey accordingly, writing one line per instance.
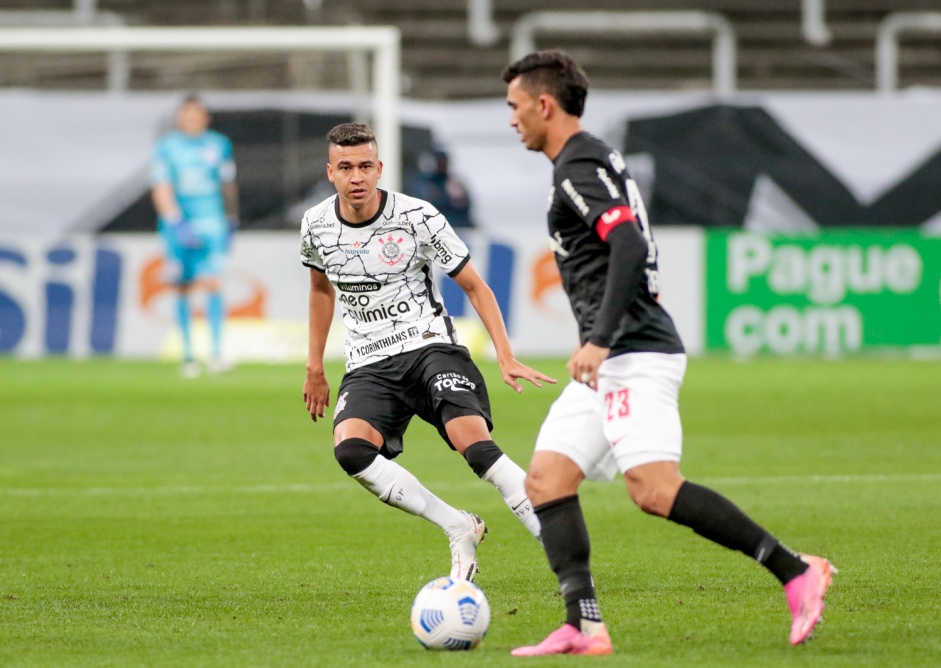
(620, 413)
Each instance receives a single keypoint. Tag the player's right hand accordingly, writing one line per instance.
(185, 236)
(512, 370)
(584, 363)
(316, 393)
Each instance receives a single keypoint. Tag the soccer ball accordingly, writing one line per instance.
(450, 614)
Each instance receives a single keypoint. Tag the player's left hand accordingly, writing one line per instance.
(230, 233)
(584, 363)
(512, 369)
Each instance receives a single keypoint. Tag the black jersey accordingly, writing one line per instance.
(592, 193)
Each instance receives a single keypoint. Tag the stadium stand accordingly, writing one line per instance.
(441, 62)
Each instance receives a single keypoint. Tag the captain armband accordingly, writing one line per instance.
(612, 218)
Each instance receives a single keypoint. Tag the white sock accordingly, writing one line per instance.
(509, 479)
(397, 487)
(590, 628)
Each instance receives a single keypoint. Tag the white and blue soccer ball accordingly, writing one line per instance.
(450, 614)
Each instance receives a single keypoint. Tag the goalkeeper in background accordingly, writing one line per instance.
(196, 198)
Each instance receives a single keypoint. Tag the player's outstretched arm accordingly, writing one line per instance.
(482, 299)
(230, 198)
(320, 315)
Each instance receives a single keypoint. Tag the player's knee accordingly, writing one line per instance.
(653, 499)
(355, 454)
(540, 487)
(530, 486)
(653, 486)
(550, 477)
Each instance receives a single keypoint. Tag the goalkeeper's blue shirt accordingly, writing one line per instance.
(196, 168)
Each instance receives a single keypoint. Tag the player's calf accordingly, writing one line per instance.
(489, 462)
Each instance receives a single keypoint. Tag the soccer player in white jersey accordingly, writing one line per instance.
(620, 413)
(376, 249)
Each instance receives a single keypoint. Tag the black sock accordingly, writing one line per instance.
(482, 455)
(784, 563)
(565, 539)
(713, 516)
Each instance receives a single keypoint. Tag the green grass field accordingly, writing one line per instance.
(151, 521)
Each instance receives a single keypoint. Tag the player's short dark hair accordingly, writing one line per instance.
(192, 98)
(554, 72)
(351, 134)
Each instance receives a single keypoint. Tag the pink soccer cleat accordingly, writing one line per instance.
(596, 644)
(805, 596)
(569, 640)
(559, 641)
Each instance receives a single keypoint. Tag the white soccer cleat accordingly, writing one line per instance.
(218, 365)
(190, 370)
(464, 542)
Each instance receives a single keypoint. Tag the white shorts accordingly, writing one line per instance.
(632, 419)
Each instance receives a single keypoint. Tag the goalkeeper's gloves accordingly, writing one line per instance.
(233, 228)
(182, 232)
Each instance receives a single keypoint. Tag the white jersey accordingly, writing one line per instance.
(381, 269)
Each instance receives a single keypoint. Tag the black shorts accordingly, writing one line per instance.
(437, 383)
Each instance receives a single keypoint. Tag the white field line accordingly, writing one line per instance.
(341, 486)
(816, 479)
(183, 490)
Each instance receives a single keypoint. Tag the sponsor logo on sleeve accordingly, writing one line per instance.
(608, 183)
(445, 254)
(576, 198)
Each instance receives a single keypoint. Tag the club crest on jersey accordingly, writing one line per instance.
(211, 155)
(391, 252)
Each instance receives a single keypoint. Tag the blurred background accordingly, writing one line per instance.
(789, 152)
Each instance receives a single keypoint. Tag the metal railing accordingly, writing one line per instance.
(481, 29)
(814, 22)
(887, 43)
(724, 43)
(84, 14)
(384, 43)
